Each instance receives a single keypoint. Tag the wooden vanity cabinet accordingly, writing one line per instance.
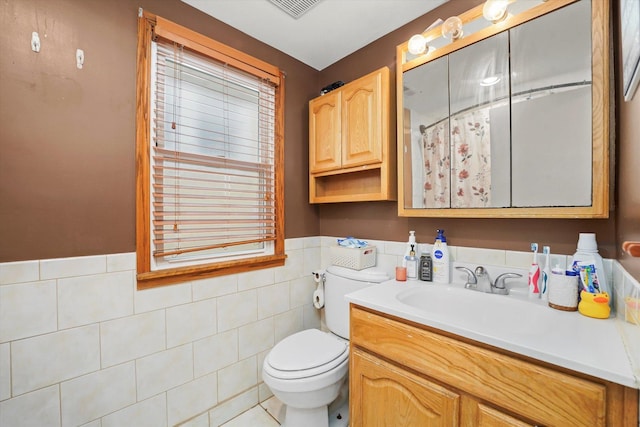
(350, 155)
(405, 374)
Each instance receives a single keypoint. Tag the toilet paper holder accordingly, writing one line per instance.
(318, 294)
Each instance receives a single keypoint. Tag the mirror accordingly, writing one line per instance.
(510, 120)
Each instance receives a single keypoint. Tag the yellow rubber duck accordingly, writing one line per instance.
(594, 305)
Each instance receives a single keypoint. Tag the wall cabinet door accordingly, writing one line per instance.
(385, 395)
(325, 133)
(362, 110)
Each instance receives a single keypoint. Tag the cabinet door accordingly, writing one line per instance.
(325, 133)
(384, 395)
(363, 123)
(477, 414)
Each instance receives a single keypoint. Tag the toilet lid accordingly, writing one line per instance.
(307, 350)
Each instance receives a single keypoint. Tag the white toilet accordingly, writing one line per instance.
(307, 370)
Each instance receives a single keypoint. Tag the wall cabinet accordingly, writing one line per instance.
(350, 155)
(407, 374)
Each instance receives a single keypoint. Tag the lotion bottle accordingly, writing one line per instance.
(440, 255)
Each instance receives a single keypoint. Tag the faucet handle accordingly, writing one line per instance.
(472, 281)
(499, 284)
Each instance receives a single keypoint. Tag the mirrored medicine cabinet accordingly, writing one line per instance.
(509, 120)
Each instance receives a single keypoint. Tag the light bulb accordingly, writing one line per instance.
(452, 28)
(417, 44)
(495, 10)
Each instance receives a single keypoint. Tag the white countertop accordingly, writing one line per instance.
(527, 327)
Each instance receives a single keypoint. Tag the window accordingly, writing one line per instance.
(209, 157)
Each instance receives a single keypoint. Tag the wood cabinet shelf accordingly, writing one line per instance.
(350, 151)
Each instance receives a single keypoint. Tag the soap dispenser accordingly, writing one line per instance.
(410, 243)
(412, 264)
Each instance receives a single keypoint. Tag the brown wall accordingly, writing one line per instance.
(67, 171)
(67, 139)
(380, 220)
(627, 166)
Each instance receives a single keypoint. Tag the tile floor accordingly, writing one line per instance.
(266, 414)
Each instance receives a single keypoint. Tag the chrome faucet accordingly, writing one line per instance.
(479, 280)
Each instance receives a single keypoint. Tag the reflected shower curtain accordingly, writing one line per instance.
(471, 159)
(435, 149)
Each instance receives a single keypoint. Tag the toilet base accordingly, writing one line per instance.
(312, 417)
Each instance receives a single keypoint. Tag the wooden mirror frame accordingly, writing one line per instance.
(600, 16)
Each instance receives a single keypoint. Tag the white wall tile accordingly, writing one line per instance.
(255, 279)
(70, 267)
(215, 287)
(94, 423)
(264, 392)
(190, 322)
(233, 407)
(132, 337)
(255, 337)
(293, 267)
(273, 299)
(213, 353)
(311, 260)
(121, 262)
(89, 299)
(48, 359)
(481, 256)
(162, 371)
(302, 291)
(192, 398)
(91, 396)
(201, 420)
(148, 413)
(37, 409)
(162, 297)
(27, 309)
(237, 310)
(288, 323)
(237, 378)
(19, 272)
(312, 242)
(294, 244)
(5, 371)
(311, 318)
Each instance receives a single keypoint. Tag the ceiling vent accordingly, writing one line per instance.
(295, 8)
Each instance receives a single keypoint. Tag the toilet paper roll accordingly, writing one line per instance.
(318, 275)
(318, 299)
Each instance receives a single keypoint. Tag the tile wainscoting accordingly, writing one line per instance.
(80, 346)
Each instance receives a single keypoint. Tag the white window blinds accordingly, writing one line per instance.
(212, 159)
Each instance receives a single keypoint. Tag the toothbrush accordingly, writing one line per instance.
(544, 292)
(534, 274)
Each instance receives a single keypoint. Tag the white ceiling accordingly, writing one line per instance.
(329, 31)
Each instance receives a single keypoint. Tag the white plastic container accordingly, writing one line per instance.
(587, 252)
(440, 256)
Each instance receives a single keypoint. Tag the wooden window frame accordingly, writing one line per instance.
(150, 25)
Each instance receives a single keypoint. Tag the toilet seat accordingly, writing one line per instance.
(306, 354)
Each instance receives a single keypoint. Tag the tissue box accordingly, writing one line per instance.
(354, 258)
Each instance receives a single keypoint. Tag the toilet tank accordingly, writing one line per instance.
(340, 281)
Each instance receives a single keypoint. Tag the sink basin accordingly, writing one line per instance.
(464, 307)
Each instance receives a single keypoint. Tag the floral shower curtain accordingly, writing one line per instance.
(471, 160)
(436, 157)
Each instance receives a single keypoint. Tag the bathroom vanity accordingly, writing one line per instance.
(412, 367)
